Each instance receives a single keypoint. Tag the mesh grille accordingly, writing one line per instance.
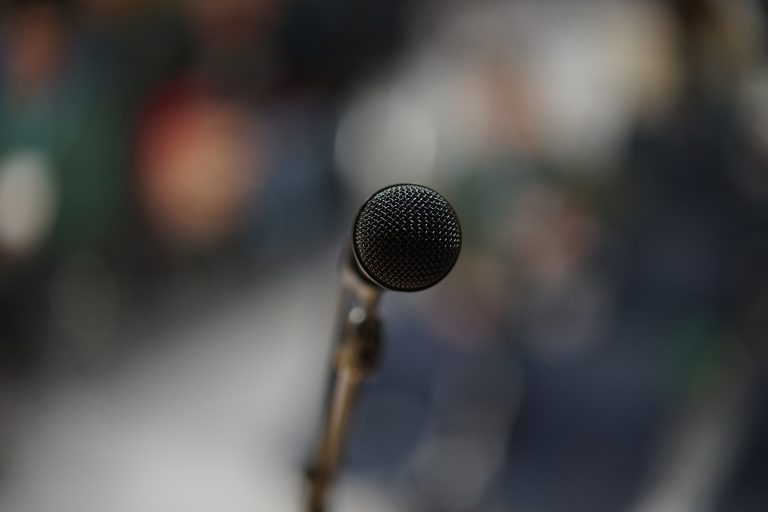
(406, 237)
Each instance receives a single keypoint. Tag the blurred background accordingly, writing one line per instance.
(177, 179)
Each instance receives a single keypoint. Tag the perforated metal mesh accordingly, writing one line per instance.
(406, 237)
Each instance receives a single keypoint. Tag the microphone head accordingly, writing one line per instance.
(406, 238)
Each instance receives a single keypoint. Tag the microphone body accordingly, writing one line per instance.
(356, 358)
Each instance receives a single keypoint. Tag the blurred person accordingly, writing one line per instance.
(55, 102)
(696, 236)
(281, 189)
(195, 174)
(62, 144)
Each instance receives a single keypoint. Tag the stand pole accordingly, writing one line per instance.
(356, 359)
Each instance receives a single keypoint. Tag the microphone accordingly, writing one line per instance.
(405, 238)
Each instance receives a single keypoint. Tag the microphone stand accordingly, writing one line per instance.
(356, 358)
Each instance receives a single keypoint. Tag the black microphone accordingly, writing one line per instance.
(405, 238)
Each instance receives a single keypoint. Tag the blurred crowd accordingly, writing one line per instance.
(600, 346)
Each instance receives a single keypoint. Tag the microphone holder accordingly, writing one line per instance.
(357, 356)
